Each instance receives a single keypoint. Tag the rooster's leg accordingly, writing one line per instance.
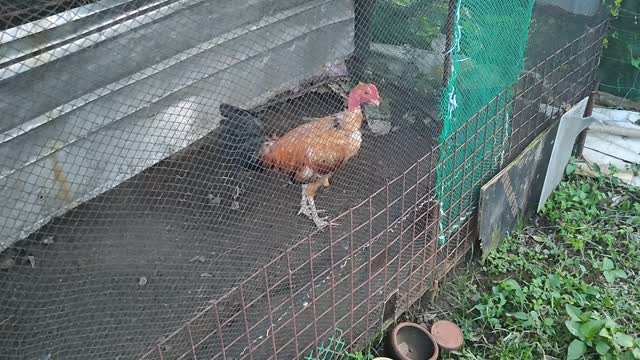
(304, 202)
(308, 204)
(320, 222)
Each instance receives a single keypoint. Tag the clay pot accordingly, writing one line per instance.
(448, 335)
(409, 341)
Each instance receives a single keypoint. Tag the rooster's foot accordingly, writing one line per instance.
(322, 222)
(306, 208)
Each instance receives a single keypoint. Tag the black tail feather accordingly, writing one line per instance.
(242, 135)
(229, 111)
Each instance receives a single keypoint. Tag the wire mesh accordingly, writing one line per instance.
(620, 70)
(483, 63)
(133, 223)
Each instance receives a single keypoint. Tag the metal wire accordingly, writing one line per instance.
(129, 227)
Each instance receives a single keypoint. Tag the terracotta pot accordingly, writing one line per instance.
(409, 341)
(448, 335)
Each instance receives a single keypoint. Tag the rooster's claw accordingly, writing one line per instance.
(321, 223)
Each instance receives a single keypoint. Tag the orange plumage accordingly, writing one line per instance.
(312, 152)
(313, 149)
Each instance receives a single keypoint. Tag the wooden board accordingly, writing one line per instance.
(514, 192)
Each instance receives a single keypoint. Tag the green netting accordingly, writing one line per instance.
(489, 43)
(620, 64)
(332, 348)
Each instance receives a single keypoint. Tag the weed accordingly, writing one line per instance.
(570, 291)
(357, 356)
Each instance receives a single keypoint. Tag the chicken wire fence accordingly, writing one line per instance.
(620, 70)
(135, 224)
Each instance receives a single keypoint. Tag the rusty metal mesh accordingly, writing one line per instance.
(128, 227)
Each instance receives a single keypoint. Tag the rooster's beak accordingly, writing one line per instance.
(375, 102)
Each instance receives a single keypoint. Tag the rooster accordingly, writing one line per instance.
(310, 153)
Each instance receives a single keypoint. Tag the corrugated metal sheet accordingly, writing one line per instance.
(93, 96)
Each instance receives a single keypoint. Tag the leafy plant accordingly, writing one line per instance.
(567, 289)
(604, 336)
(358, 356)
(615, 8)
(611, 274)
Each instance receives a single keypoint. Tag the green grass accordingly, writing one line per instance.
(567, 288)
(358, 356)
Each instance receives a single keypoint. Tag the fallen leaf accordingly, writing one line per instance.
(538, 238)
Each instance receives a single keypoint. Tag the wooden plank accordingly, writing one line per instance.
(514, 192)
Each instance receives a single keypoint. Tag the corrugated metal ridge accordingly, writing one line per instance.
(155, 69)
(60, 30)
(93, 33)
(52, 21)
(65, 108)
